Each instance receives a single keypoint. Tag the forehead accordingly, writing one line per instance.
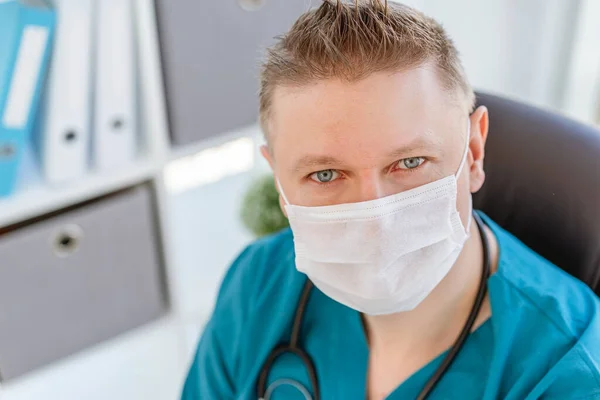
(364, 117)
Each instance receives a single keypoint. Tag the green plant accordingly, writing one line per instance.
(260, 211)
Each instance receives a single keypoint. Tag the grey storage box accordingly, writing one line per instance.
(211, 53)
(78, 278)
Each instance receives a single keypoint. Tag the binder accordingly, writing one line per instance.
(62, 140)
(26, 29)
(115, 126)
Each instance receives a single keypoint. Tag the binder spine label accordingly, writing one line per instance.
(25, 77)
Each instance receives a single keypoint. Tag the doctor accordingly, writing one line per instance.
(388, 285)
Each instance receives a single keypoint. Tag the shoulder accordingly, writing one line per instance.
(260, 290)
(551, 319)
(248, 318)
(262, 271)
(566, 302)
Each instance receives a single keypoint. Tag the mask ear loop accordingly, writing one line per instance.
(470, 216)
(466, 150)
(462, 164)
(287, 203)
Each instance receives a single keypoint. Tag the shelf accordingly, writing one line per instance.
(35, 198)
(148, 363)
(251, 131)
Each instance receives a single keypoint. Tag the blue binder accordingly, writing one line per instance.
(26, 30)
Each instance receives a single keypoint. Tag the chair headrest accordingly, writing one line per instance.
(543, 184)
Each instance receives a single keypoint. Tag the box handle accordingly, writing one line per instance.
(67, 240)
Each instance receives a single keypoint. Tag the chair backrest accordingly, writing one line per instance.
(543, 184)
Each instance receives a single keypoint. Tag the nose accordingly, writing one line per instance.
(371, 186)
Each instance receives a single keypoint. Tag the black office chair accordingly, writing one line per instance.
(543, 184)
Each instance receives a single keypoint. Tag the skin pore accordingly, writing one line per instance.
(336, 142)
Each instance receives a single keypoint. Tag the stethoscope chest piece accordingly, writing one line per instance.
(286, 382)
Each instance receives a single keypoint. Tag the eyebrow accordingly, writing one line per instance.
(421, 143)
(316, 161)
(312, 161)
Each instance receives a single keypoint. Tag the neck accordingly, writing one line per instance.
(438, 320)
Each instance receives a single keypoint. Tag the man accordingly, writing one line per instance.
(376, 149)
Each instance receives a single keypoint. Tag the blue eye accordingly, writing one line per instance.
(325, 176)
(411, 163)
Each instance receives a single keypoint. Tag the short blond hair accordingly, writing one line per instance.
(350, 41)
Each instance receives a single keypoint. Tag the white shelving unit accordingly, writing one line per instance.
(148, 363)
(38, 199)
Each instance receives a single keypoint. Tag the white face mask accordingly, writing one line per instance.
(381, 256)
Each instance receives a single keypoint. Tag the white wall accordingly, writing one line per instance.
(512, 47)
(582, 98)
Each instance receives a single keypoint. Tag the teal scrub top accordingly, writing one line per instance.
(542, 340)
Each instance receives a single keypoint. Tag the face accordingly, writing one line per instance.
(337, 142)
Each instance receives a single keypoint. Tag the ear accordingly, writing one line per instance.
(264, 150)
(282, 204)
(479, 132)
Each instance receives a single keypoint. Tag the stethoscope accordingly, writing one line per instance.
(265, 393)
